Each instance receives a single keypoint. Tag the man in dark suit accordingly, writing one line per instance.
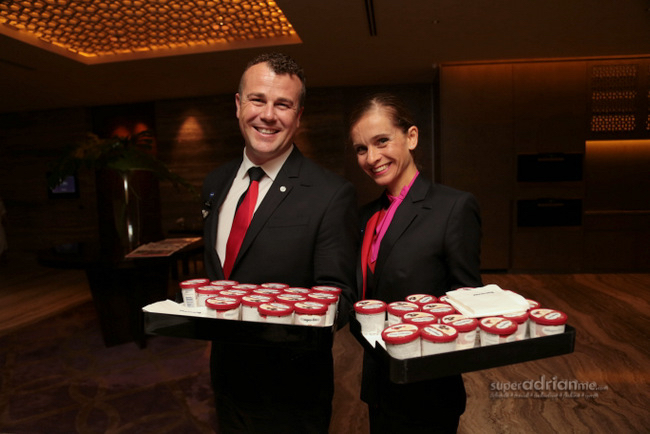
(302, 233)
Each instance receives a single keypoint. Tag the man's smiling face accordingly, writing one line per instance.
(268, 109)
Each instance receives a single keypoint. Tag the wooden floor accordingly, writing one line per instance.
(610, 312)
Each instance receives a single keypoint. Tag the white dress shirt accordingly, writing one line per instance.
(238, 187)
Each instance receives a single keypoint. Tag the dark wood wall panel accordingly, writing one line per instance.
(493, 114)
(28, 143)
(193, 135)
(477, 149)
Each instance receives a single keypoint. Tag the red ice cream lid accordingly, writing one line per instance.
(464, 324)
(498, 325)
(399, 308)
(254, 300)
(193, 283)
(422, 299)
(222, 303)
(297, 290)
(208, 289)
(274, 285)
(400, 333)
(439, 333)
(275, 309)
(419, 318)
(548, 316)
(327, 288)
(519, 317)
(323, 297)
(310, 307)
(439, 309)
(291, 299)
(370, 306)
(224, 282)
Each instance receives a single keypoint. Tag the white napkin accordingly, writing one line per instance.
(488, 300)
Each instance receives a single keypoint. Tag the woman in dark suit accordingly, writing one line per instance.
(419, 237)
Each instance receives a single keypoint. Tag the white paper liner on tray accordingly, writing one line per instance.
(172, 308)
(374, 339)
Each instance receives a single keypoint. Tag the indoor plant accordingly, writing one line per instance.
(126, 173)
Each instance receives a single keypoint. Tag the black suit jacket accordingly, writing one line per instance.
(303, 233)
(431, 246)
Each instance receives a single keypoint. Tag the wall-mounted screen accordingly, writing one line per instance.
(555, 167)
(69, 187)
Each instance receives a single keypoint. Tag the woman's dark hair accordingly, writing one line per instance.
(400, 115)
(280, 64)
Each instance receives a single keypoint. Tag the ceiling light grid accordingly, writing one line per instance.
(92, 28)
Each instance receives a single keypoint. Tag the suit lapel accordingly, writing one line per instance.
(279, 191)
(406, 214)
(219, 195)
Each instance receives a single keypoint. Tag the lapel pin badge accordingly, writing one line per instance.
(283, 188)
(207, 206)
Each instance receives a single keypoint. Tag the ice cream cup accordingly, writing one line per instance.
(331, 300)
(438, 338)
(187, 290)
(521, 318)
(402, 341)
(545, 322)
(250, 304)
(420, 319)
(223, 308)
(277, 313)
(310, 313)
(422, 299)
(497, 330)
(397, 309)
(202, 293)
(440, 310)
(371, 315)
(467, 331)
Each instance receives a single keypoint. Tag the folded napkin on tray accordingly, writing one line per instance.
(489, 300)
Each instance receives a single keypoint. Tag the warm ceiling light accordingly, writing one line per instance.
(99, 31)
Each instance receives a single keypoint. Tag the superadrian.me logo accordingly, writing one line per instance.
(553, 388)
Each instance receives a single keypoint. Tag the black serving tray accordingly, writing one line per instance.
(242, 332)
(473, 359)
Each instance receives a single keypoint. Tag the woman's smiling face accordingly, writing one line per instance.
(383, 149)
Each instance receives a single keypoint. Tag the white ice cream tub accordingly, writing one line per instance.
(438, 338)
(467, 331)
(422, 299)
(397, 309)
(497, 330)
(187, 290)
(310, 313)
(278, 313)
(371, 315)
(329, 299)
(202, 293)
(545, 322)
(402, 341)
(440, 310)
(521, 319)
(223, 308)
(250, 304)
(419, 318)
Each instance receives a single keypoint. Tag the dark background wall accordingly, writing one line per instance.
(193, 136)
(478, 125)
(502, 122)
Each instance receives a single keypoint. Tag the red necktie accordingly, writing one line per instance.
(243, 217)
